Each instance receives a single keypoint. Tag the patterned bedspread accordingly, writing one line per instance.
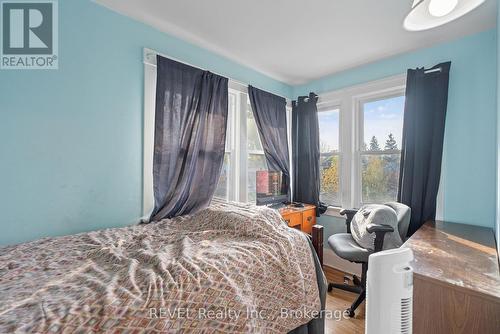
(227, 269)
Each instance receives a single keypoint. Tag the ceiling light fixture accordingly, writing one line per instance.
(440, 8)
(427, 14)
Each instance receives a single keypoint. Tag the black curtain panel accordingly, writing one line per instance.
(190, 133)
(423, 135)
(269, 112)
(305, 153)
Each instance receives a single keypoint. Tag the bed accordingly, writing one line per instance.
(230, 268)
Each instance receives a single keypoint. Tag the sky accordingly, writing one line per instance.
(329, 130)
(381, 117)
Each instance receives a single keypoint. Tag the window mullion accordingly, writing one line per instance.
(359, 135)
(232, 131)
(349, 131)
(242, 149)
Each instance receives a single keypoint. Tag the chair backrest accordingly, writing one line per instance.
(403, 212)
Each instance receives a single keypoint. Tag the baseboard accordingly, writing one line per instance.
(333, 260)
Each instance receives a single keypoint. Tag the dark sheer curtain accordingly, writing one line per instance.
(423, 135)
(305, 141)
(269, 112)
(190, 133)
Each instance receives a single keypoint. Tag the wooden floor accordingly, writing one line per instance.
(337, 301)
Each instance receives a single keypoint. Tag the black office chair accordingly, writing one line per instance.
(346, 247)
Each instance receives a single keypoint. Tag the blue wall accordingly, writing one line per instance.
(470, 135)
(498, 129)
(71, 139)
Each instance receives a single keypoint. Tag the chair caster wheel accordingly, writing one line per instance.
(350, 313)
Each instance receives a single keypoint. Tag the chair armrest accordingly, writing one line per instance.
(370, 228)
(346, 212)
(380, 230)
(349, 213)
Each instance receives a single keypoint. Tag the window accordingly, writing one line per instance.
(329, 156)
(243, 156)
(380, 150)
(360, 140)
(222, 190)
(244, 153)
(256, 159)
(224, 187)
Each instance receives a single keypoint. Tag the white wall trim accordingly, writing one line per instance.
(440, 206)
(363, 88)
(148, 139)
(333, 260)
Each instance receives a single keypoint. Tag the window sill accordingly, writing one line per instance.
(334, 211)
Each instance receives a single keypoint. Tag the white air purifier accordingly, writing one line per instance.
(389, 292)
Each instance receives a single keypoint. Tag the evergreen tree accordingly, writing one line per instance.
(374, 144)
(390, 143)
(391, 167)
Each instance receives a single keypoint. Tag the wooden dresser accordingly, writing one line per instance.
(456, 279)
(300, 218)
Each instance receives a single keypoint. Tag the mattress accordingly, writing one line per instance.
(230, 268)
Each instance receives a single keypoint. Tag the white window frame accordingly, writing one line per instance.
(148, 134)
(230, 147)
(240, 170)
(359, 101)
(350, 101)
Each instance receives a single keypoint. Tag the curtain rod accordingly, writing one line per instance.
(150, 59)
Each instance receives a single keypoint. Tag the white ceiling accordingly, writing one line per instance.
(296, 41)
